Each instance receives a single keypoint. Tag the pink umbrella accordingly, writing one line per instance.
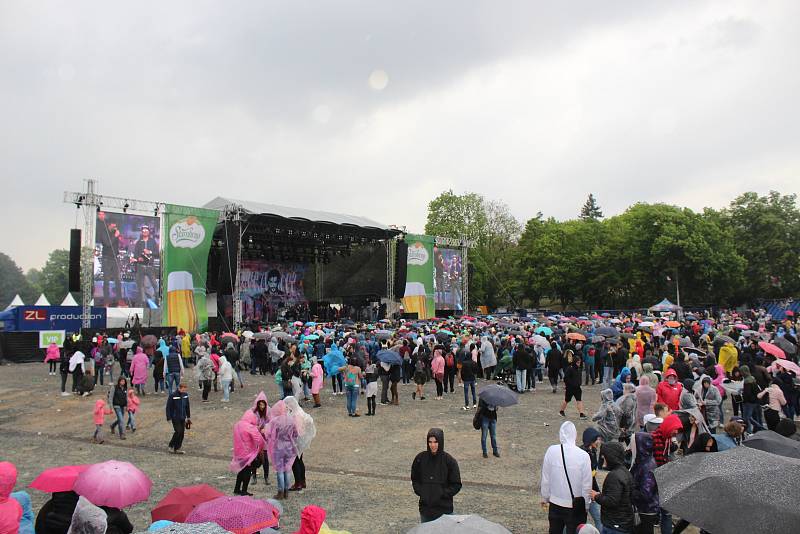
(240, 515)
(741, 326)
(58, 479)
(115, 484)
(769, 348)
(788, 365)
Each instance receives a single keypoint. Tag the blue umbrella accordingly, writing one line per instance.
(389, 357)
(546, 330)
(311, 323)
(498, 396)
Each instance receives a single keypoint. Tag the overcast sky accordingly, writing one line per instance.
(373, 108)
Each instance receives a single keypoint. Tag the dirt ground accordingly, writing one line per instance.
(358, 468)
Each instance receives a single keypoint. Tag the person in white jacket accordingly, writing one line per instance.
(555, 490)
(226, 377)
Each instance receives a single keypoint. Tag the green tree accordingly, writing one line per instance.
(54, 281)
(766, 231)
(13, 282)
(451, 215)
(590, 210)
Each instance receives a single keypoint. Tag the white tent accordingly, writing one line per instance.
(42, 301)
(16, 302)
(69, 300)
(665, 306)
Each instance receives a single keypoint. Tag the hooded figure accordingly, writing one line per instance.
(24, 500)
(10, 509)
(628, 408)
(139, 366)
(712, 400)
(88, 519)
(247, 441)
(553, 487)
(623, 377)
(281, 434)
(647, 370)
(669, 390)
(688, 405)
(311, 520)
(616, 510)
(662, 438)
(607, 417)
(56, 514)
(262, 417)
(435, 478)
(487, 355)
(645, 490)
(645, 399)
(306, 429)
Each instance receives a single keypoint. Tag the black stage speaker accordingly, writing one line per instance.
(400, 264)
(74, 260)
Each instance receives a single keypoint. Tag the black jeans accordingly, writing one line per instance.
(449, 378)
(53, 365)
(299, 470)
(77, 376)
(206, 388)
(64, 382)
(438, 387)
(384, 388)
(179, 427)
(561, 518)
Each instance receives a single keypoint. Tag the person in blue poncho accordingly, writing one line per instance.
(332, 362)
(623, 377)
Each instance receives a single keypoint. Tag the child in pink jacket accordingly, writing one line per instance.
(100, 411)
(133, 408)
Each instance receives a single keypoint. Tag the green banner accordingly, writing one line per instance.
(418, 297)
(189, 232)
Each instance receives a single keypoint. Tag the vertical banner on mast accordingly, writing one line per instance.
(419, 292)
(186, 246)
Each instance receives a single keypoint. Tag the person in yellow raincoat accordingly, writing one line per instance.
(728, 357)
(186, 347)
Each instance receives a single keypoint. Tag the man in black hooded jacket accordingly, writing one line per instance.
(616, 510)
(435, 477)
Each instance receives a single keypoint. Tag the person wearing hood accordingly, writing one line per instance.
(623, 378)
(26, 521)
(281, 435)
(51, 356)
(133, 408)
(712, 401)
(10, 510)
(226, 377)
(644, 493)
(628, 408)
(205, 371)
(645, 399)
(669, 390)
(90, 519)
(616, 510)
(694, 423)
(751, 408)
(139, 366)
(76, 367)
(607, 417)
(232, 355)
(55, 515)
(248, 451)
(306, 431)
(488, 358)
(647, 370)
(566, 482)
(592, 440)
(435, 478)
(261, 409)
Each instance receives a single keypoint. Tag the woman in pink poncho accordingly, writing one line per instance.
(317, 381)
(281, 437)
(51, 356)
(248, 449)
(261, 409)
(139, 365)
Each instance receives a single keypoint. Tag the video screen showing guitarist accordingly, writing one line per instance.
(145, 259)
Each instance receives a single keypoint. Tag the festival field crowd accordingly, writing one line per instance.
(675, 391)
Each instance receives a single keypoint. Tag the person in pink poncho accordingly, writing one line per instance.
(248, 451)
(261, 409)
(139, 366)
(281, 437)
(133, 409)
(51, 356)
(99, 413)
(317, 381)
(10, 510)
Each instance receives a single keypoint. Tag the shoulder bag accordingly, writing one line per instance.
(578, 503)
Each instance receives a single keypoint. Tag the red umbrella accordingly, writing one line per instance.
(769, 348)
(240, 515)
(179, 502)
(58, 479)
(789, 313)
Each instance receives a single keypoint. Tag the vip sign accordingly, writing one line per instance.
(417, 254)
(51, 336)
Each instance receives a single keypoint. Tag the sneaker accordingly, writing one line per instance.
(356, 415)
(65, 394)
(474, 405)
(384, 403)
(422, 398)
(485, 455)
(465, 407)
(562, 413)
(178, 451)
(414, 395)
(583, 416)
(496, 454)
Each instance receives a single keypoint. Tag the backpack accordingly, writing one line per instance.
(450, 360)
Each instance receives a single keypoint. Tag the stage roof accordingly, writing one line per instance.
(298, 214)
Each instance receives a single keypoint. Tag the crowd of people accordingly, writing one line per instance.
(667, 387)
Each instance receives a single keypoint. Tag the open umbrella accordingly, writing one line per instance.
(694, 350)
(389, 357)
(228, 337)
(769, 348)
(685, 342)
(262, 335)
(769, 441)
(544, 330)
(607, 331)
(598, 339)
(498, 396)
(721, 340)
(240, 515)
(672, 324)
(148, 341)
(383, 334)
(179, 502)
(188, 528)
(741, 326)
(247, 334)
(788, 365)
(689, 487)
(113, 483)
(646, 324)
(577, 336)
(627, 335)
(462, 524)
(787, 346)
(58, 479)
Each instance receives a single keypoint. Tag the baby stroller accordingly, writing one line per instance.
(504, 372)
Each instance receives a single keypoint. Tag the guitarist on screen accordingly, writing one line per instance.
(145, 254)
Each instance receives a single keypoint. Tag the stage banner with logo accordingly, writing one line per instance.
(188, 234)
(419, 277)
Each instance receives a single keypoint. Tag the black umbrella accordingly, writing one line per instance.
(627, 335)
(607, 331)
(721, 340)
(498, 396)
(769, 441)
(739, 490)
(787, 346)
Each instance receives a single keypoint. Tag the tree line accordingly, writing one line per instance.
(749, 250)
